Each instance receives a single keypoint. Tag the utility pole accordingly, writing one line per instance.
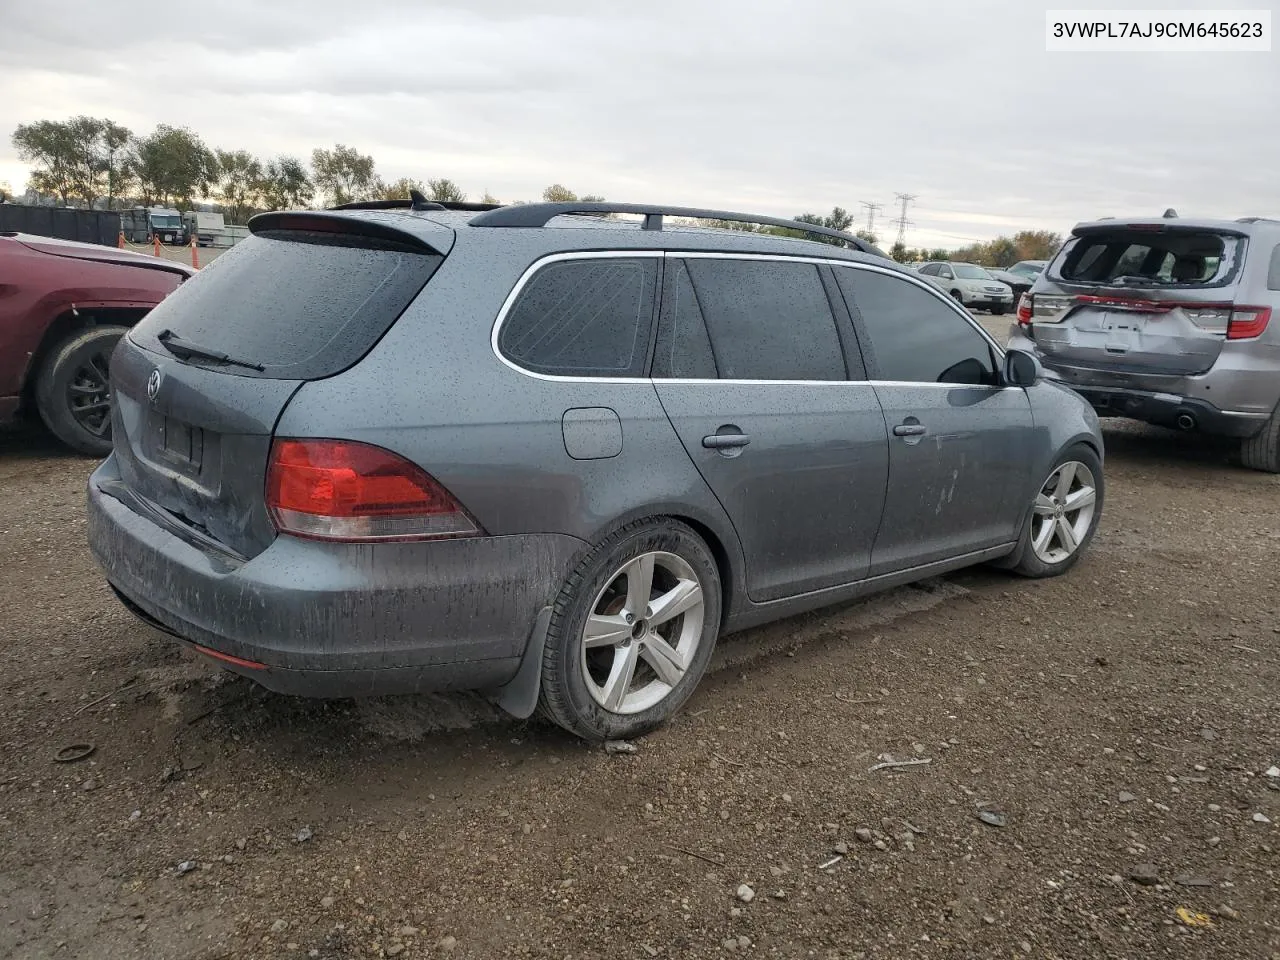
(871, 215)
(902, 221)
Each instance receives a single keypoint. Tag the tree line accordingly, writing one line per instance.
(1000, 252)
(96, 162)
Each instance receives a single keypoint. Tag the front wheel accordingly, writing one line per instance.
(998, 310)
(1064, 515)
(958, 296)
(73, 390)
(631, 632)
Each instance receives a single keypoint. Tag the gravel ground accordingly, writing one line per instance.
(1096, 785)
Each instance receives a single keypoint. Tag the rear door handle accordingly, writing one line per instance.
(725, 441)
(909, 430)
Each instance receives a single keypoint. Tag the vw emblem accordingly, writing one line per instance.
(153, 385)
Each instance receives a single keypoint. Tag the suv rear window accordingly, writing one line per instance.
(1149, 258)
(303, 305)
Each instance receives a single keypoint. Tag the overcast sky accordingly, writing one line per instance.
(762, 105)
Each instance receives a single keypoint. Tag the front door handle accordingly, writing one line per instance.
(909, 429)
(725, 441)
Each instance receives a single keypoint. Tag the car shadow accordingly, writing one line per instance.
(25, 439)
(1141, 443)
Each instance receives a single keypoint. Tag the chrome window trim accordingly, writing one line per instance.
(541, 262)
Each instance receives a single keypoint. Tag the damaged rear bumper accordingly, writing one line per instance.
(331, 619)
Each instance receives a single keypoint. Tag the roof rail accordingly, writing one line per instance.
(539, 214)
(415, 201)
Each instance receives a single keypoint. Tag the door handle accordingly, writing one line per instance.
(909, 430)
(725, 441)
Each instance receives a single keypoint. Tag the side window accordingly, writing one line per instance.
(584, 318)
(1273, 270)
(915, 336)
(683, 351)
(945, 272)
(766, 320)
(930, 269)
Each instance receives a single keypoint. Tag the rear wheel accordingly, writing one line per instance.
(1262, 450)
(73, 390)
(631, 632)
(1064, 515)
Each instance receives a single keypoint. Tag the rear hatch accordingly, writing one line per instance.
(200, 383)
(1137, 298)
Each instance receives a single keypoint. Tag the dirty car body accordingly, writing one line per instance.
(544, 398)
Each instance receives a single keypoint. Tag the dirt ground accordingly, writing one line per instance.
(1118, 721)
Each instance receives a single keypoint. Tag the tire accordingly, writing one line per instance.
(1054, 560)
(576, 692)
(998, 311)
(72, 391)
(1262, 450)
(957, 296)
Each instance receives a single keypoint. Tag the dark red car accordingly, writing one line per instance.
(63, 306)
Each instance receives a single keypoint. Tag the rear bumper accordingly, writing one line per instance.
(1169, 411)
(335, 620)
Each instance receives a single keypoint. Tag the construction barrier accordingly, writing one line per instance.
(195, 255)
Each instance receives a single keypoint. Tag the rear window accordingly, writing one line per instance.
(1149, 258)
(303, 305)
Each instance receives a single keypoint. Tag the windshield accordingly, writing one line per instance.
(967, 271)
(161, 220)
(1027, 269)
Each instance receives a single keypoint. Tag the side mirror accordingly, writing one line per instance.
(1021, 369)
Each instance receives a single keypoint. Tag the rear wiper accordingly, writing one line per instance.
(185, 350)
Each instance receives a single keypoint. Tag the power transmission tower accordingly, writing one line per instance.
(871, 215)
(902, 221)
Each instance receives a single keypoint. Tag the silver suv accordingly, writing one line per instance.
(970, 284)
(1167, 321)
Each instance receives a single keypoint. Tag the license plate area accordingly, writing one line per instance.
(177, 443)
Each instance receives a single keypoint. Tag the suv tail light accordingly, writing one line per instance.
(1025, 307)
(347, 491)
(1247, 322)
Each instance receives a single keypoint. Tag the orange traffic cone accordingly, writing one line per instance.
(155, 243)
(195, 255)
(120, 240)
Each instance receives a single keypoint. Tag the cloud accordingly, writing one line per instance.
(753, 104)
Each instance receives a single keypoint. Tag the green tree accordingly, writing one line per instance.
(239, 181)
(900, 253)
(444, 189)
(1036, 245)
(399, 189)
(489, 197)
(81, 157)
(6, 191)
(172, 165)
(344, 174)
(285, 184)
(558, 193)
(868, 236)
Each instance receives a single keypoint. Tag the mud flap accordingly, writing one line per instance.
(519, 695)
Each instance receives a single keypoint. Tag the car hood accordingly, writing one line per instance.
(96, 252)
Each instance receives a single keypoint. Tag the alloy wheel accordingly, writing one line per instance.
(642, 633)
(89, 394)
(1063, 512)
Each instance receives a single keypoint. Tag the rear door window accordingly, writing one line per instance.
(584, 318)
(1149, 258)
(302, 305)
(764, 320)
(916, 337)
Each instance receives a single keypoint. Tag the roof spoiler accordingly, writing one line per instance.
(323, 221)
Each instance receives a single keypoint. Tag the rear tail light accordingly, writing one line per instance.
(1025, 305)
(341, 490)
(1247, 322)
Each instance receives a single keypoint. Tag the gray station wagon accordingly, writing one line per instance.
(553, 454)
